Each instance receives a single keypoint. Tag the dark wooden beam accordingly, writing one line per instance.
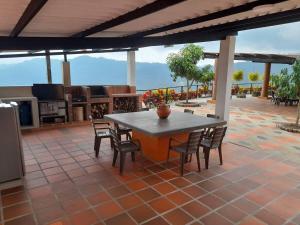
(216, 15)
(65, 53)
(32, 9)
(137, 13)
(256, 57)
(67, 43)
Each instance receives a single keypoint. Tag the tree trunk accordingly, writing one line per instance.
(187, 91)
(298, 114)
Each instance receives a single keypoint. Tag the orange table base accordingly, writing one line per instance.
(156, 147)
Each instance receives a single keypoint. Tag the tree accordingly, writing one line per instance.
(238, 75)
(205, 76)
(184, 64)
(253, 76)
(296, 80)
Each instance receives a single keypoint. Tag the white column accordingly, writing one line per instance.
(225, 69)
(131, 80)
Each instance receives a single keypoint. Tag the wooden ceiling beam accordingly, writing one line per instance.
(212, 33)
(31, 10)
(132, 15)
(216, 15)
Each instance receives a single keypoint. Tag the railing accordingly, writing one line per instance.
(178, 89)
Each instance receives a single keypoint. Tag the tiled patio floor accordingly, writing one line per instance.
(65, 184)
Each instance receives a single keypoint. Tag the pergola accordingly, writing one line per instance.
(267, 59)
(127, 25)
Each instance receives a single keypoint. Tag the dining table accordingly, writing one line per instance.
(154, 133)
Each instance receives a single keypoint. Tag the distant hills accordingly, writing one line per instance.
(90, 70)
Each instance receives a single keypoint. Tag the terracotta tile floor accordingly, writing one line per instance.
(65, 184)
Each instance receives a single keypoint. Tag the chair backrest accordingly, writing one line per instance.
(212, 116)
(93, 124)
(217, 136)
(115, 139)
(188, 111)
(118, 111)
(194, 140)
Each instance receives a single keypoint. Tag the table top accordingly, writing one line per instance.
(178, 122)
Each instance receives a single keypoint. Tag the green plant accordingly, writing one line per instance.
(184, 64)
(253, 76)
(296, 80)
(238, 75)
(205, 75)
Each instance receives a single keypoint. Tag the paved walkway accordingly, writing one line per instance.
(253, 124)
(65, 184)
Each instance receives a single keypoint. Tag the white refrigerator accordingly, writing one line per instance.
(11, 152)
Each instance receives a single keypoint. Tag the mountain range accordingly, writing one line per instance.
(87, 70)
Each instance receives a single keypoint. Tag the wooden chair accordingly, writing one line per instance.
(213, 141)
(123, 147)
(187, 148)
(188, 111)
(122, 130)
(101, 130)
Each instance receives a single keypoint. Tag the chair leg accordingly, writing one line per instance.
(206, 156)
(198, 160)
(97, 149)
(122, 161)
(111, 143)
(95, 143)
(182, 159)
(191, 157)
(168, 156)
(133, 156)
(115, 157)
(220, 154)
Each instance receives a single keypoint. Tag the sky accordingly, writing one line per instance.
(282, 39)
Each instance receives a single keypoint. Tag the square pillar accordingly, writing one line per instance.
(265, 86)
(48, 64)
(214, 90)
(66, 73)
(131, 79)
(224, 71)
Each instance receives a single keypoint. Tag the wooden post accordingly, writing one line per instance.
(48, 63)
(265, 86)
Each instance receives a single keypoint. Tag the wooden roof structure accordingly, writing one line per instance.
(257, 57)
(110, 24)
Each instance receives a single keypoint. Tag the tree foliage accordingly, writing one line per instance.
(253, 76)
(288, 85)
(184, 64)
(238, 75)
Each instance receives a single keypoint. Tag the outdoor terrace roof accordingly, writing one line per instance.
(77, 24)
(256, 57)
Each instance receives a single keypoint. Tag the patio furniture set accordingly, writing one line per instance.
(182, 134)
(287, 101)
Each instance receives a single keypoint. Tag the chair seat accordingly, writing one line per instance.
(206, 142)
(180, 148)
(127, 146)
(103, 134)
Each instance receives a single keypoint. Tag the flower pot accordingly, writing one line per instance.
(163, 110)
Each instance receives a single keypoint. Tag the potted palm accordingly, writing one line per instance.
(254, 77)
(239, 76)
